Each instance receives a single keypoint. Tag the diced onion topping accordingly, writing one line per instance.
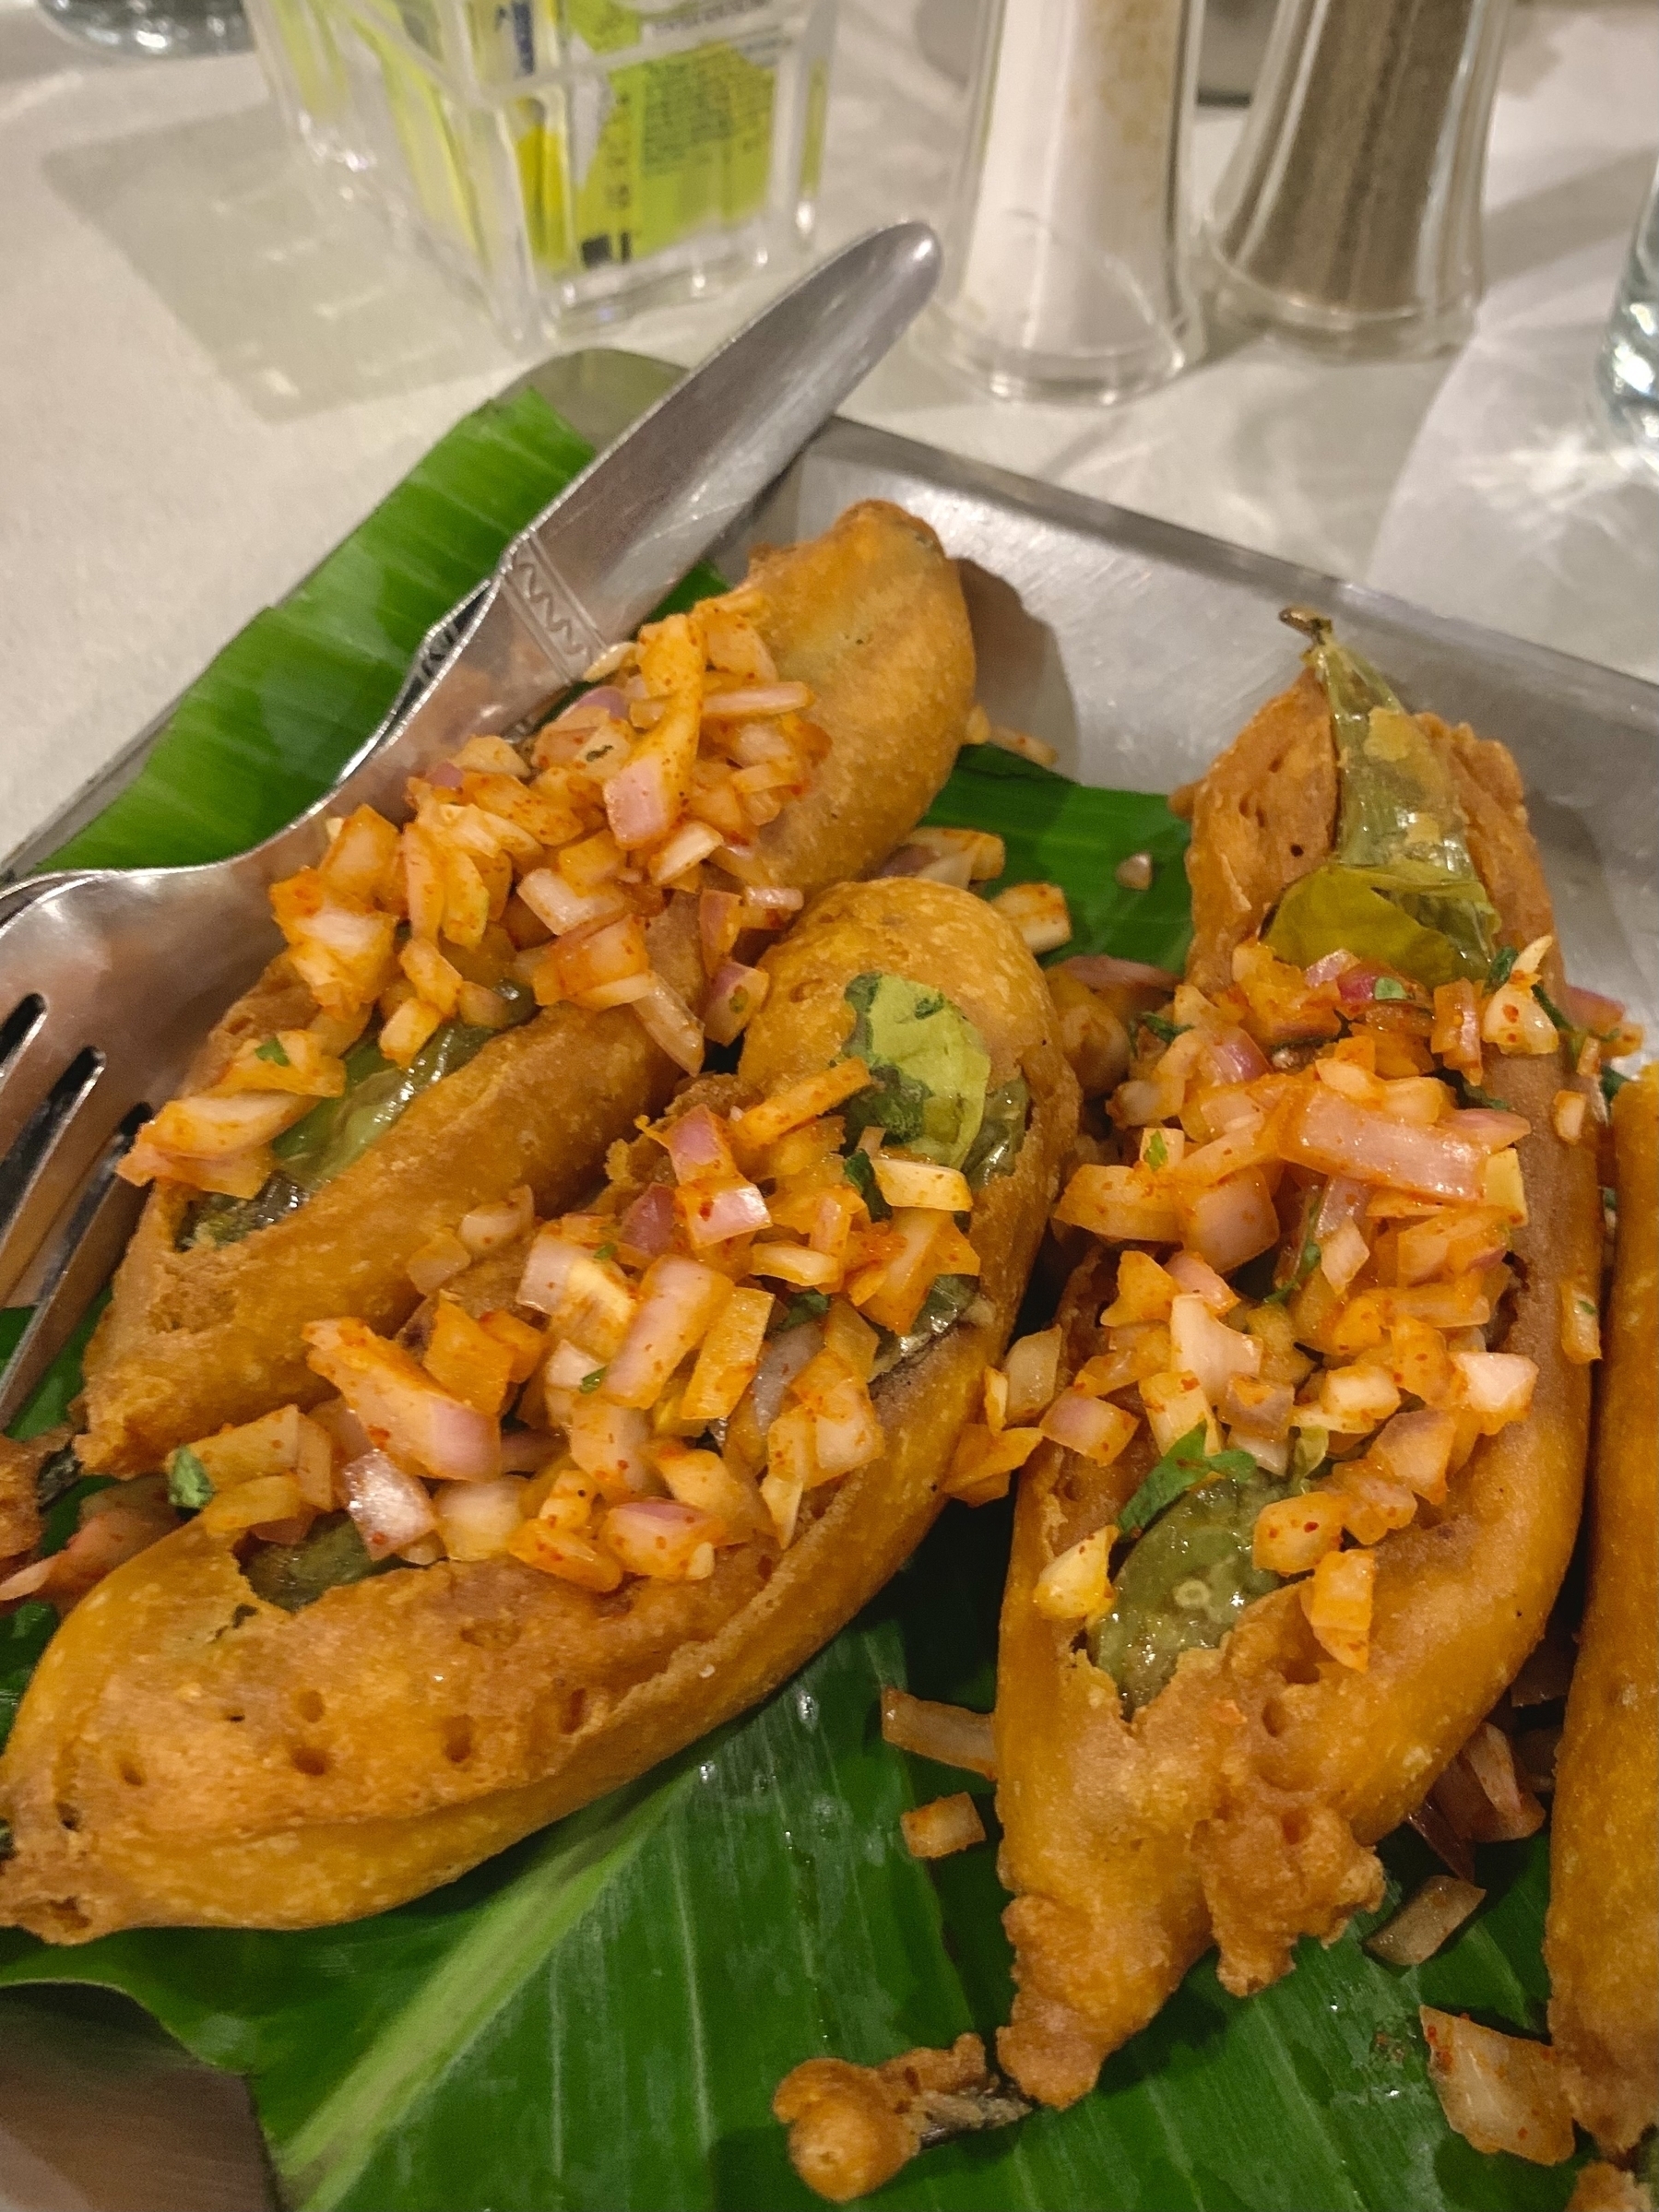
(653, 785)
(1500, 2092)
(1427, 1920)
(949, 1734)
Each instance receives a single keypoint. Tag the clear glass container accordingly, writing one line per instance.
(1067, 250)
(1349, 216)
(156, 29)
(1627, 373)
(569, 161)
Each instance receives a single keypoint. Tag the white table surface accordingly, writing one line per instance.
(207, 378)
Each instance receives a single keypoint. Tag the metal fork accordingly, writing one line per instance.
(109, 979)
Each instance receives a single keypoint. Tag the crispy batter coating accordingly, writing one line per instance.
(19, 1517)
(870, 615)
(1264, 814)
(1238, 1808)
(1600, 2188)
(852, 2127)
(188, 1754)
(1601, 1936)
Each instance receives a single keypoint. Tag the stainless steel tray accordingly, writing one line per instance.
(1136, 648)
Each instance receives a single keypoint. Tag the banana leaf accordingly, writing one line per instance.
(597, 2019)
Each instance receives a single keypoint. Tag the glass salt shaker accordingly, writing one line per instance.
(1349, 216)
(1066, 253)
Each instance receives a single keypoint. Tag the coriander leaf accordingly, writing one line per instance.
(1389, 987)
(1503, 962)
(274, 1050)
(809, 1306)
(189, 1484)
(1161, 1027)
(1240, 1466)
(860, 1171)
(1612, 1083)
(1157, 1150)
(591, 1381)
(929, 1067)
(1553, 1011)
(1472, 1094)
(1182, 1465)
(1310, 1259)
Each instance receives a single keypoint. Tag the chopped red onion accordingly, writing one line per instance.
(696, 1144)
(391, 1508)
(648, 1224)
(1099, 969)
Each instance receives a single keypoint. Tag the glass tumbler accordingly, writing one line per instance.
(156, 27)
(1349, 216)
(1627, 375)
(1067, 261)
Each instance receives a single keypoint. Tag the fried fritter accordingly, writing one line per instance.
(190, 1753)
(870, 616)
(1601, 1940)
(1239, 1806)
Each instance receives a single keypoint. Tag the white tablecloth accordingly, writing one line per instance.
(206, 378)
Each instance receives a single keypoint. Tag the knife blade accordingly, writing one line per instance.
(595, 562)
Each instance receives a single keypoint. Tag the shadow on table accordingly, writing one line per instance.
(304, 303)
(1559, 219)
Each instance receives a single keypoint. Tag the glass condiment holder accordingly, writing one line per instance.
(570, 161)
(1349, 216)
(1067, 250)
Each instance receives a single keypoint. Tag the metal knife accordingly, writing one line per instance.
(595, 562)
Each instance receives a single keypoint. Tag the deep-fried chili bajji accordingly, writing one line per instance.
(1338, 1394)
(489, 994)
(618, 1479)
(1601, 1936)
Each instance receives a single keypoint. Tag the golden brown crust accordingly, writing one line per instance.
(1263, 814)
(19, 1516)
(396, 1731)
(1239, 1806)
(1601, 1936)
(193, 1340)
(871, 615)
(1602, 2188)
(852, 2128)
(875, 623)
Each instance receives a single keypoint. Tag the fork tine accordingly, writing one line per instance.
(83, 1258)
(32, 1058)
(58, 1148)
